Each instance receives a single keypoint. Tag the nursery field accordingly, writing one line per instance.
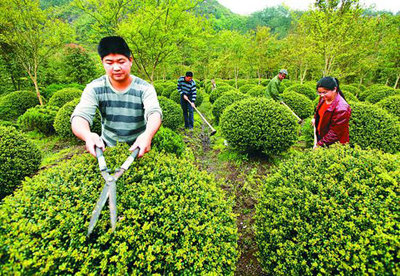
(253, 199)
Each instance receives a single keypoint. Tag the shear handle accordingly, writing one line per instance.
(101, 159)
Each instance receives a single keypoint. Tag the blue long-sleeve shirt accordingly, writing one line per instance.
(187, 88)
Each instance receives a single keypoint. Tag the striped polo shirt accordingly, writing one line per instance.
(123, 113)
(187, 88)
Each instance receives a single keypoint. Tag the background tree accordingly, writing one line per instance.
(79, 66)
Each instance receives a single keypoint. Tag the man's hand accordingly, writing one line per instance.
(92, 140)
(185, 97)
(143, 142)
(313, 121)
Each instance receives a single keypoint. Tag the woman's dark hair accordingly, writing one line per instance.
(330, 83)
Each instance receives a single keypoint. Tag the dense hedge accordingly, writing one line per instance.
(18, 158)
(64, 96)
(40, 118)
(173, 219)
(331, 212)
(16, 103)
(224, 101)
(307, 132)
(302, 89)
(350, 89)
(62, 123)
(172, 113)
(256, 91)
(259, 125)
(364, 94)
(245, 88)
(169, 141)
(391, 104)
(169, 90)
(216, 93)
(379, 94)
(300, 104)
(371, 126)
(54, 87)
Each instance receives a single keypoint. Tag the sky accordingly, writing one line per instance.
(246, 7)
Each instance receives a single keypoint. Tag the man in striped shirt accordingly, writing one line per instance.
(187, 90)
(128, 105)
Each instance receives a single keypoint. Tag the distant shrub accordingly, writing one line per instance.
(346, 89)
(391, 104)
(379, 94)
(302, 89)
(40, 118)
(169, 90)
(54, 87)
(224, 101)
(219, 92)
(349, 96)
(265, 82)
(19, 158)
(257, 91)
(245, 88)
(371, 126)
(159, 87)
(330, 212)
(361, 87)
(364, 94)
(62, 123)
(241, 82)
(173, 220)
(172, 113)
(16, 103)
(300, 104)
(168, 140)
(259, 126)
(64, 96)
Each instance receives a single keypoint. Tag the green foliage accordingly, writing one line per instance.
(307, 132)
(169, 90)
(199, 97)
(64, 96)
(346, 89)
(257, 91)
(159, 87)
(62, 123)
(349, 96)
(216, 93)
(40, 118)
(173, 219)
(169, 141)
(15, 104)
(245, 88)
(371, 126)
(302, 89)
(391, 104)
(300, 104)
(259, 125)
(364, 94)
(265, 82)
(379, 94)
(331, 211)
(172, 113)
(78, 65)
(54, 87)
(224, 101)
(18, 158)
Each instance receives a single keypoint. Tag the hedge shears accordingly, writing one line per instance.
(109, 190)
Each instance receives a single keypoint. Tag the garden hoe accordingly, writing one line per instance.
(213, 131)
(299, 120)
(109, 189)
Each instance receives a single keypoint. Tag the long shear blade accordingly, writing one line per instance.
(97, 210)
(113, 204)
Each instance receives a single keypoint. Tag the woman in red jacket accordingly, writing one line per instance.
(332, 115)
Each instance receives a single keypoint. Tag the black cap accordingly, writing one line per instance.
(328, 83)
(189, 74)
(113, 45)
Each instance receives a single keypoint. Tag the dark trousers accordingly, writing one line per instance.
(187, 113)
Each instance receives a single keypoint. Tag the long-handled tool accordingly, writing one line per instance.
(299, 120)
(213, 131)
(315, 137)
(109, 190)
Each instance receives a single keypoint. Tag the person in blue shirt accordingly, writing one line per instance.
(187, 90)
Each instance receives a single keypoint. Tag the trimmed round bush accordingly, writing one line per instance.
(349, 96)
(170, 90)
(371, 126)
(391, 104)
(379, 94)
(169, 141)
(199, 97)
(19, 158)
(216, 93)
(257, 91)
(300, 104)
(64, 96)
(245, 88)
(224, 101)
(359, 86)
(172, 113)
(16, 103)
(330, 212)
(40, 118)
(259, 125)
(62, 123)
(159, 87)
(265, 82)
(302, 89)
(175, 97)
(364, 94)
(346, 89)
(307, 132)
(173, 219)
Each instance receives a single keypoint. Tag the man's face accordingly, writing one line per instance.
(281, 76)
(118, 67)
(188, 79)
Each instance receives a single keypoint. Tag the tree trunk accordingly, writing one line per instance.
(397, 81)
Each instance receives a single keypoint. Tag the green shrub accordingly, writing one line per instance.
(302, 89)
(173, 220)
(64, 96)
(170, 90)
(172, 113)
(259, 125)
(331, 212)
(379, 94)
(391, 104)
(62, 123)
(219, 92)
(168, 140)
(245, 88)
(241, 82)
(265, 82)
(224, 101)
(40, 118)
(371, 126)
(307, 132)
(19, 158)
(359, 86)
(54, 87)
(300, 104)
(346, 89)
(175, 97)
(159, 87)
(16, 103)
(349, 96)
(257, 91)
(199, 97)
(364, 94)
